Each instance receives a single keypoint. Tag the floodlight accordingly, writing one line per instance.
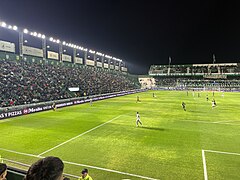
(48, 47)
(15, 28)
(64, 50)
(43, 36)
(35, 34)
(57, 41)
(51, 39)
(77, 54)
(3, 24)
(39, 35)
(25, 41)
(25, 31)
(64, 43)
(9, 27)
(54, 40)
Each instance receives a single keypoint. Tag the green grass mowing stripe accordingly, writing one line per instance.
(78, 136)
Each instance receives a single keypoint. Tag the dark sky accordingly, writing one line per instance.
(141, 32)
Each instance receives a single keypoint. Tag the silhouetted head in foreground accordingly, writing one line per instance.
(49, 168)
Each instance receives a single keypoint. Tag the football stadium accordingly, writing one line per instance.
(84, 109)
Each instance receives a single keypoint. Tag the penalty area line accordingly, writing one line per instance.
(78, 136)
(83, 165)
(204, 165)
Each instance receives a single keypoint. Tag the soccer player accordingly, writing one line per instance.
(54, 106)
(90, 101)
(184, 106)
(154, 95)
(214, 104)
(207, 98)
(138, 119)
(138, 99)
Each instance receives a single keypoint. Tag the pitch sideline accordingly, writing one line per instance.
(85, 165)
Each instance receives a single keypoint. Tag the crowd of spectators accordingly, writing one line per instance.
(24, 83)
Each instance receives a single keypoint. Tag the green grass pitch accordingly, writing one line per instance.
(168, 146)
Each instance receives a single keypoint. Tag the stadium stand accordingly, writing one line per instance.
(197, 76)
(25, 82)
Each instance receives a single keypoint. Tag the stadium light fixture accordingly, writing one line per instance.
(43, 36)
(64, 50)
(51, 39)
(10, 27)
(35, 34)
(109, 57)
(25, 41)
(15, 28)
(64, 43)
(25, 31)
(39, 35)
(58, 41)
(91, 51)
(3, 24)
(48, 47)
(77, 54)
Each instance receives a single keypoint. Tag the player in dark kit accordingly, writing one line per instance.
(184, 106)
(138, 99)
(54, 106)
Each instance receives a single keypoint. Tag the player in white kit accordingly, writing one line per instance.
(138, 119)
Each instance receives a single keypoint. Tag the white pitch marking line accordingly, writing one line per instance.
(110, 170)
(206, 122)
(78, 136)
(25, 154)
(221, 152)
(84, 165)
(227, 121)
(204, 165)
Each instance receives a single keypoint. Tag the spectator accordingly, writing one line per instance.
(23, 83)
(3, 171)
(85, 175)
(49, 168)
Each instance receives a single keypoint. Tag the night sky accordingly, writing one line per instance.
(141, 32)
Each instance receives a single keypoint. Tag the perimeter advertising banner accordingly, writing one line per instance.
(66, 57)
(48, 105)
(7, 46)
(105, 65)
(78, 60)
(99, 64)
(111, 66)
(116, 67)
(32, 51)
(124, 69)
(53, 55)
(90, 62)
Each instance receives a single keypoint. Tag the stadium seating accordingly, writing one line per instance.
(23, 82)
